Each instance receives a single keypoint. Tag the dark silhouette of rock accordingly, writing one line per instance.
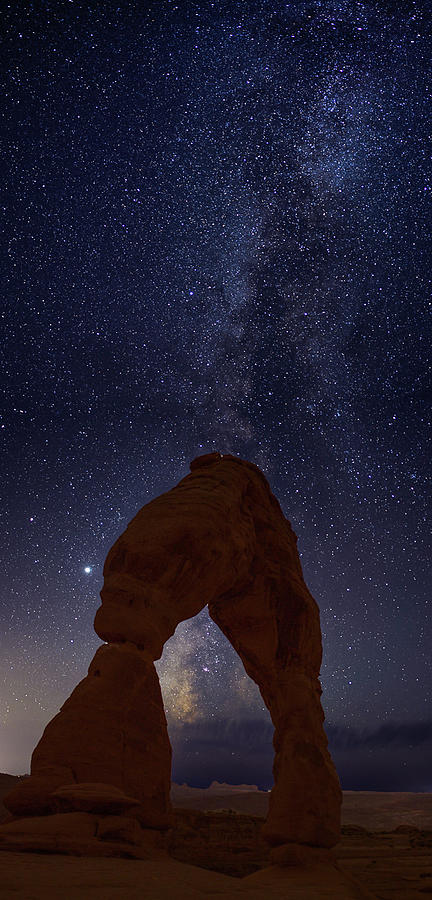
(7, 783)
(223, 840)
(218, 538)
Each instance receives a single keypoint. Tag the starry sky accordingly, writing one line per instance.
(216, 222)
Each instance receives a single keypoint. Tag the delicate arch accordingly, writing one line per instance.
(218, 538)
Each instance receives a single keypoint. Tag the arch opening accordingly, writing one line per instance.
(219, 727)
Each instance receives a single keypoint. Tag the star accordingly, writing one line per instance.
(218, 240)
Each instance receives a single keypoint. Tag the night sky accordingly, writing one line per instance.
(216, 232)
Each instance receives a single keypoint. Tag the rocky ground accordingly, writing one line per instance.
(216, 849)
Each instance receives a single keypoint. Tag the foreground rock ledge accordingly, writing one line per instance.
(219, 538)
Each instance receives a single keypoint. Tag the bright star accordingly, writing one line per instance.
(87, 570)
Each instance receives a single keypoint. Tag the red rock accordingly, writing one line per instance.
(112, 729)
(97, 798)
(32, 796)
(82, 834)
(220, 538)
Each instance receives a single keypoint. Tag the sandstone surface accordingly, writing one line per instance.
(394, 863)
(101, 798)
(50, 877)
(219, 538)
(82, 834)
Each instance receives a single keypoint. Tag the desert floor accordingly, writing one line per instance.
(385, 852)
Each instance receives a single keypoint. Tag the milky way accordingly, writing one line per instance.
(216, 221)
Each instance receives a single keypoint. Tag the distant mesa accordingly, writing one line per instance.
(100, 775)
(221, 787)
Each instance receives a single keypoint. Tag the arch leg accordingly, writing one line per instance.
(111, 730)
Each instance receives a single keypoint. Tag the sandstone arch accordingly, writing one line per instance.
(218, 538)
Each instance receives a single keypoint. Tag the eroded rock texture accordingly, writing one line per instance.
(218, 538)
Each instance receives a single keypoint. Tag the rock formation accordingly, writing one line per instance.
(218, 538)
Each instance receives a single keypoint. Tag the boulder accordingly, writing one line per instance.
(96, 798)
(82, 834)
